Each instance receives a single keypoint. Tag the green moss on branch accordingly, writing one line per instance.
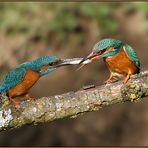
(47, 109)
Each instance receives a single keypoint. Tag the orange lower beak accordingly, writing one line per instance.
(96, 56)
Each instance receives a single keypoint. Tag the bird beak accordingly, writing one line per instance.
(64, 62)
(92, 56)
(88, 59)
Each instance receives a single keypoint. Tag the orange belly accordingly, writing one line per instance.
(29, 80)
(120, 64)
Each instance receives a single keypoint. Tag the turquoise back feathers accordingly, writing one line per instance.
(132, 55)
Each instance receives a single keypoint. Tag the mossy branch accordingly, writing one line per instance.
(71, 104)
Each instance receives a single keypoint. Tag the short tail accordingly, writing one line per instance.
(3, 94)
(2, 88)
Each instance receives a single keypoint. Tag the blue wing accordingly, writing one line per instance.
(12, 78)
(132, 55)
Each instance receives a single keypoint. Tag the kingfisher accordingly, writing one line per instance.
(19, 80)
(120, 58)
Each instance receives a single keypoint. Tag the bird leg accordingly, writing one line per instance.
(28, 97)
(109, 79)
(13, 101)
(126, 78)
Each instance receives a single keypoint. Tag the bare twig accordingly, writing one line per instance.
(71, 104)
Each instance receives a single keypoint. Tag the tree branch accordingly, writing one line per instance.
(71, 104)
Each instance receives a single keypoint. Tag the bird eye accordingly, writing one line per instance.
(99, 52)
(54, 63)
(51, 64)
(103, 50)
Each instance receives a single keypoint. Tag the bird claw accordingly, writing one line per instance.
(126, 79)
(107, 81)
(28, 97)
(14, 102)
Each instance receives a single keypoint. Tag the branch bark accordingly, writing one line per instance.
(71, 104)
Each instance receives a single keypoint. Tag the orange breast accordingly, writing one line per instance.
(121, 64)
(29, 80)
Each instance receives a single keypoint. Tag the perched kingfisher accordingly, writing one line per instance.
(19, 80)
(120, 58)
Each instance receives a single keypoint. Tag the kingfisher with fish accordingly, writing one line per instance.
(120, 58)
(18, 81)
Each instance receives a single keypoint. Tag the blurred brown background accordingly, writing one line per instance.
(29, 30)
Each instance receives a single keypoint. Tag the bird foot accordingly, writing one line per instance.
(107, 82)
(126, 79)
(14, 102)
(28, 97)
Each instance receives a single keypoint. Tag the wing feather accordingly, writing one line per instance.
(132, 55)
(12, 78)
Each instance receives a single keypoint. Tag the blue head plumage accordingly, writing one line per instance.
(38, 63)
(106, 44)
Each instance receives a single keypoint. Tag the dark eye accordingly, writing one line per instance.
(51, 64)
(101, 51)
(54, 63)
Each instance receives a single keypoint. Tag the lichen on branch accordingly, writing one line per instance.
(71, 104)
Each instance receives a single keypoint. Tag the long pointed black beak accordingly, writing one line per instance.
(84, 59)
(91, 55)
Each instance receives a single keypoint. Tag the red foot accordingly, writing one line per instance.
(126, 79)
(28, 97)
(108, 80)
(13, 101)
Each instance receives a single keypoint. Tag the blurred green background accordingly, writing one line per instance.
(70, 29)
